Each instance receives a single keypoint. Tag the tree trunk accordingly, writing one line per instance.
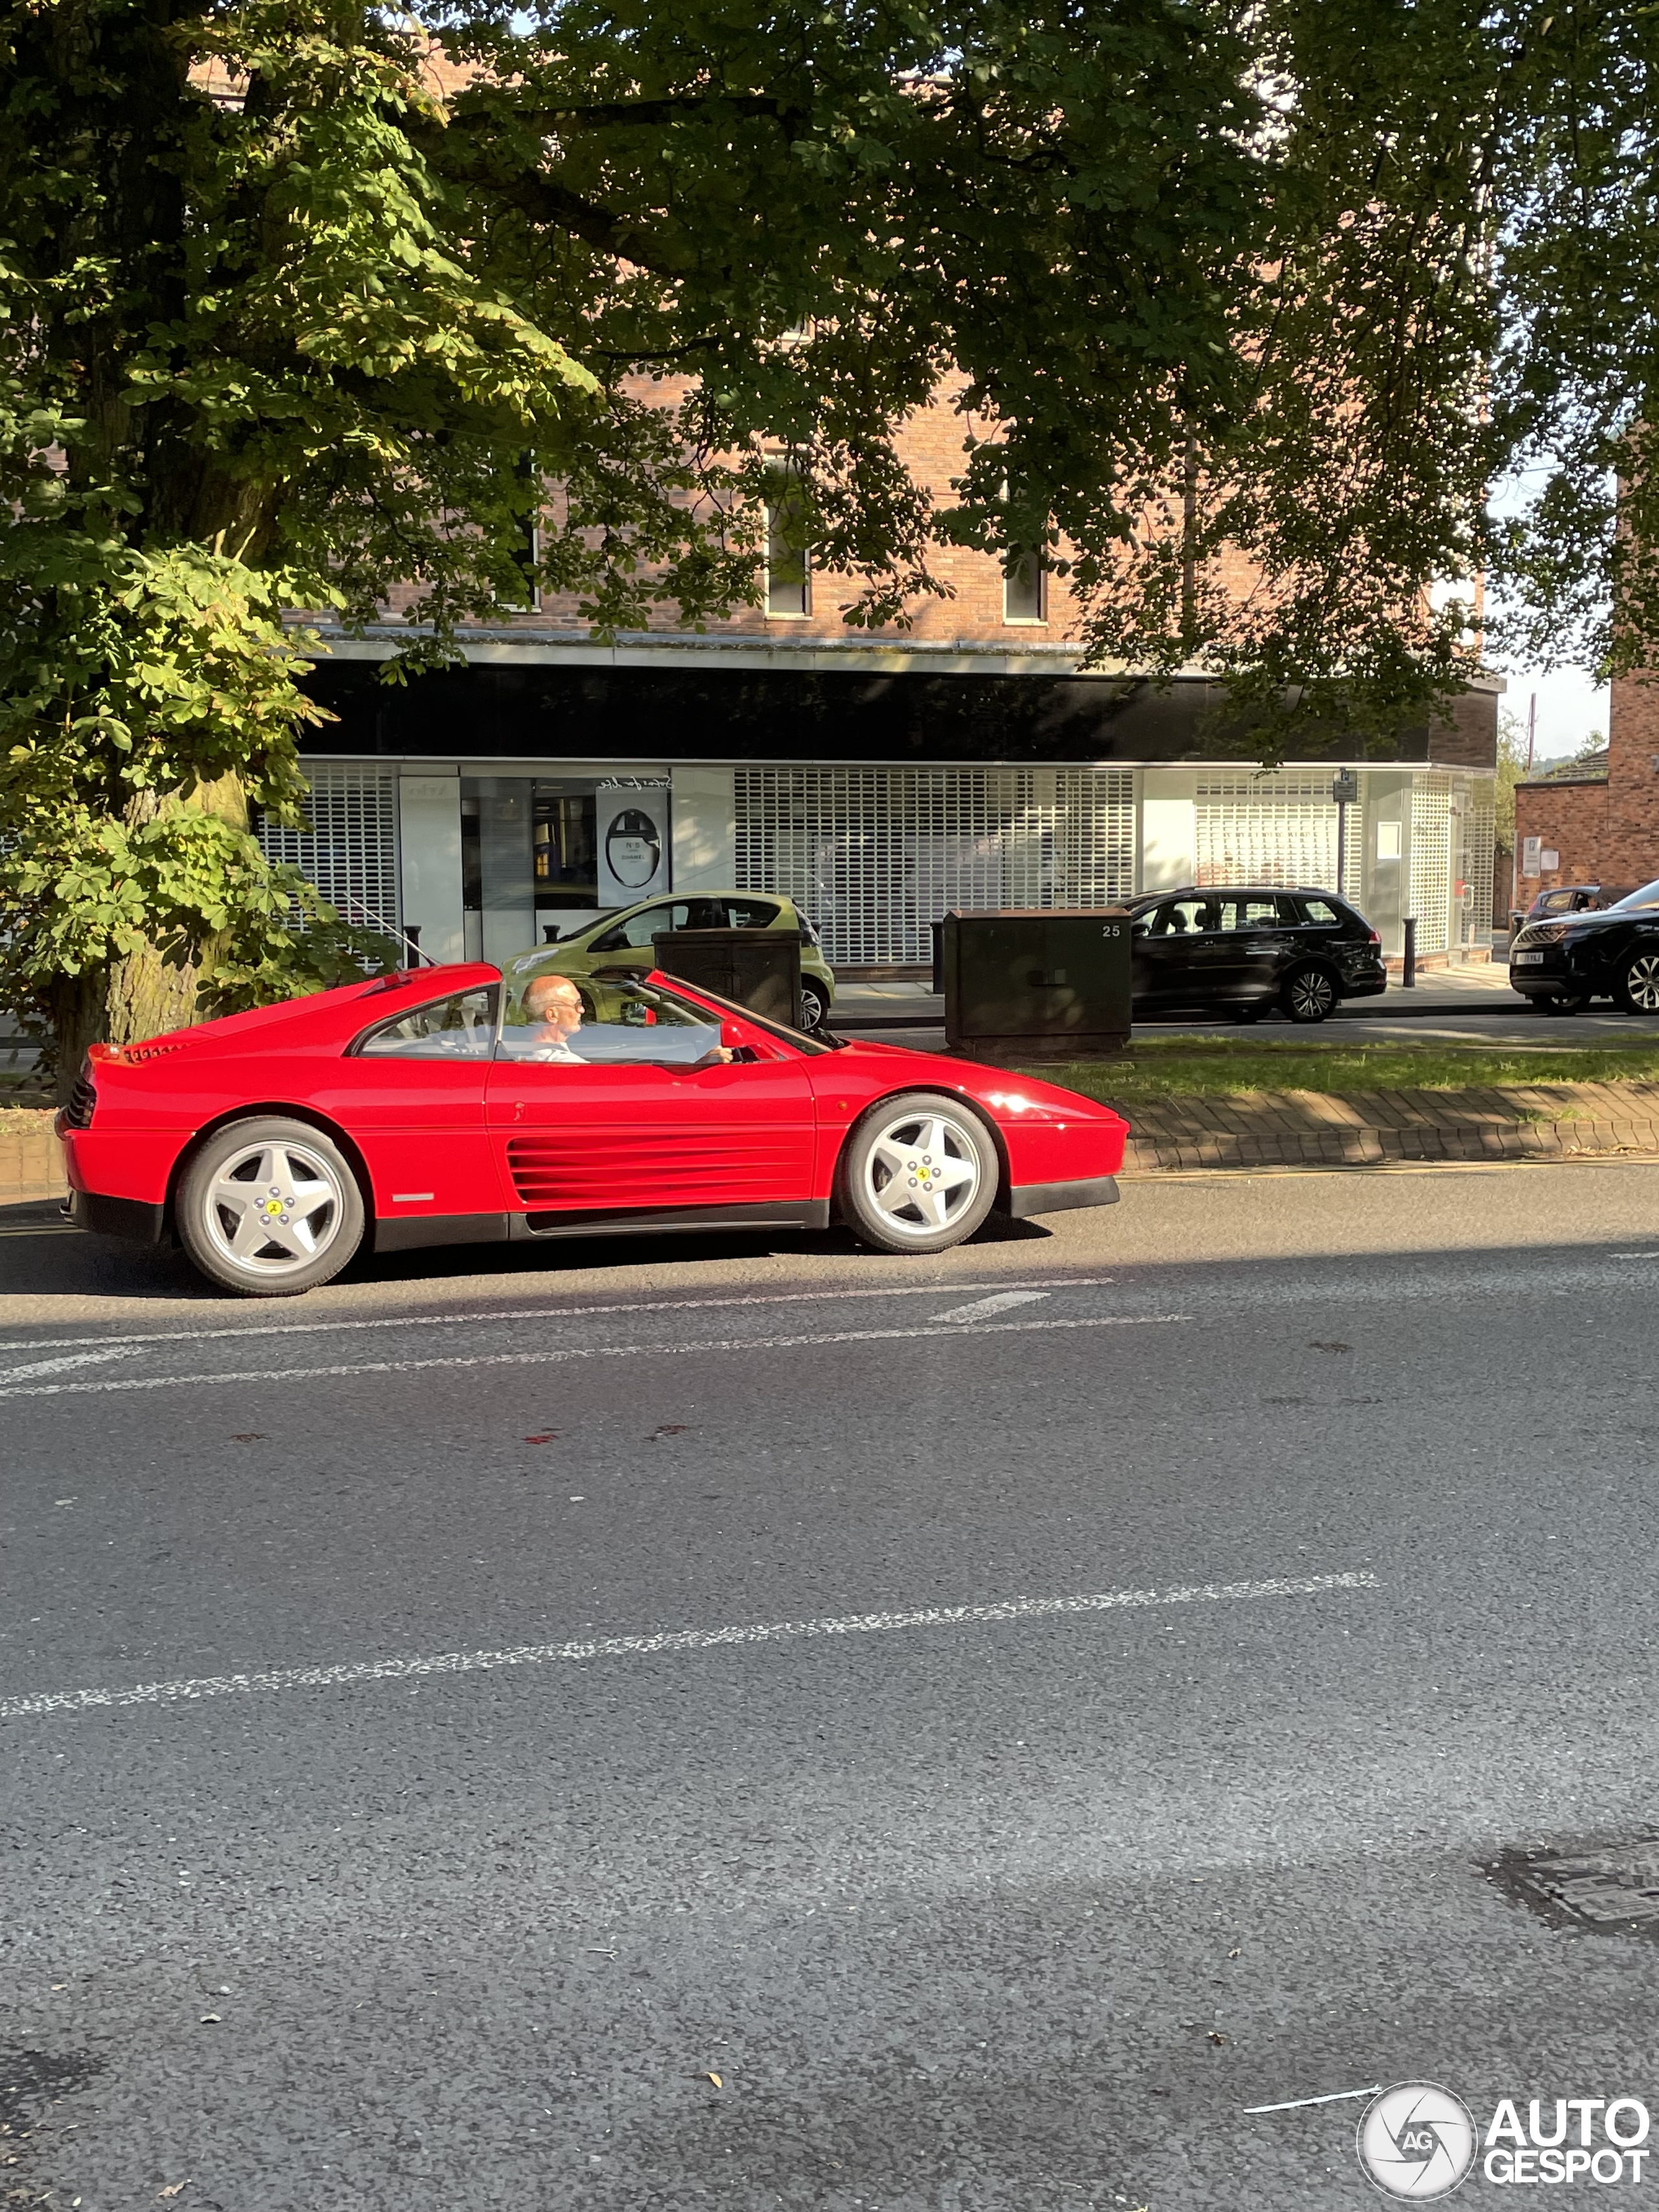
(140, 994)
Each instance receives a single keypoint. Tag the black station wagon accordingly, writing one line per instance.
(1243, 950)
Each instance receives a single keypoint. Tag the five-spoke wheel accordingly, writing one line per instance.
(919, 1174)
(269, 1208)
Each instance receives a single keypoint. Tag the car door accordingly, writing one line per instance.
(410, 1093)
(1169, 953)
(626, 946)
(1258, 934)
(628, 1125)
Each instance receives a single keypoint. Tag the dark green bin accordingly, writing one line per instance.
(1031, 983)
(757, 968)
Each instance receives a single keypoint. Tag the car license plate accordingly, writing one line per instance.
(1527, 960)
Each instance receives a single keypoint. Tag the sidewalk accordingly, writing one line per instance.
(1481, 987)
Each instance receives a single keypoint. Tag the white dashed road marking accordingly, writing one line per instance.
(335, 1326)
(983, 1308)
(545, 1354)
(669, 1640)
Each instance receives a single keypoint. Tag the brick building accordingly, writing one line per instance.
(1597, 828)
(877, 778)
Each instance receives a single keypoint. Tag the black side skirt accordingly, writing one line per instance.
(411, 1231)
(652, 1221)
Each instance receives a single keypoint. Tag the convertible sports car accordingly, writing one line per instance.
(446, 1106)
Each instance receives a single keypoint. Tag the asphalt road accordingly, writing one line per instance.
(450, 1721)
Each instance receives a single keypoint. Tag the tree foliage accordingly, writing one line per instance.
(1241, 309)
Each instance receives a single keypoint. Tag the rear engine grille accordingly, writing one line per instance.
(82, 1102)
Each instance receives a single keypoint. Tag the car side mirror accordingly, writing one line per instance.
(1138, 930)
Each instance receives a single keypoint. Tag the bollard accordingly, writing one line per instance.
(1408, 964)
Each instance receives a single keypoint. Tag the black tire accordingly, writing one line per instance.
(1566, 1002)
(301, 1192)
(1309, 995)
(1639, 983)
(814, 1004)
(896, 1150)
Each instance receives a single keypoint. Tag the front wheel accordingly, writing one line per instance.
(270, 1207)
(1638, 989)
(919, 1174)
(1309, 995)
(1566, 1002)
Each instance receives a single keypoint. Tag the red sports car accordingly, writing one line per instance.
(448, 1106)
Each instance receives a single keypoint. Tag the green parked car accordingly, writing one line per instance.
(623, 939)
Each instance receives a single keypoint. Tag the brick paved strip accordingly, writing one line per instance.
(1242, 1132)
(31, 1157)
(1541, 1121)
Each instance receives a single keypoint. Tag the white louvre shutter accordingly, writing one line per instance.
(1432, 860)
(875, 855)
(350, 851)
(1279, 829)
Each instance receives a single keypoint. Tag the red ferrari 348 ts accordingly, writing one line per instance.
(450, 1106)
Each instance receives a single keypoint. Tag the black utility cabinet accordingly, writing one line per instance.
(758, 967)
(1036, 983)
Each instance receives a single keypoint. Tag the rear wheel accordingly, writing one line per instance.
(1566, 1002)
(270, 1207)
(919, 1174)
(1309, 995)
(814, 1004)
(1639, 986)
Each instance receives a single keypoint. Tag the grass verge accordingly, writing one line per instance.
(1205, 1066)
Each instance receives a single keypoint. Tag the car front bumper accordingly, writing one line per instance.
(1027, 1199)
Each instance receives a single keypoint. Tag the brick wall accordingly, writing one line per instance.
(1569, 818)
(1606, 832)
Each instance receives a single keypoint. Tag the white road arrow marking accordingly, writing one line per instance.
(58, 1366)
(1001, 1304)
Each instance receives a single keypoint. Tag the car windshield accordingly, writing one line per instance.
(1647, 897)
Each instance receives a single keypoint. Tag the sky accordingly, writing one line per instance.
(1570, 706)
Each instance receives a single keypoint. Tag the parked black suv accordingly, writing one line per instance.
(1613, 954)
(1243, 950)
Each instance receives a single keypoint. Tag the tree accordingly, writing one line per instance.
(295, 304)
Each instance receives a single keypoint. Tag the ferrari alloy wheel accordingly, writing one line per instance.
(1309, 995)
(920, 1174)
(1641, 991)
(814, 1009)
(269, 1208)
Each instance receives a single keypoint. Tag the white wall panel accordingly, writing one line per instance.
(429, 841)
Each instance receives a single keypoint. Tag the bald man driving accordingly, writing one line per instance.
(555, 1004)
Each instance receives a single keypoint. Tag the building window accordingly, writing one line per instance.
(788, 559)
(526, 597)
(1025, 590)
